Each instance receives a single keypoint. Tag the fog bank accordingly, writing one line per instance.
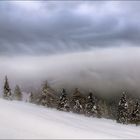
(106, 71)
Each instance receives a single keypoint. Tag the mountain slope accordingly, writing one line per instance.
(24, 120)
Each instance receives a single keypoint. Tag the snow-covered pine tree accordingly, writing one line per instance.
(77, 102)
(135, 115)
(78, 108)
(17, 93)
(47, 97)
(91, 106)
(6, 89)
(63, 103)
(123, 114)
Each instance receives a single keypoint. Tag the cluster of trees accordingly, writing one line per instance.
(7, 94)
(16, 94)
(127, 110)
(76, 103)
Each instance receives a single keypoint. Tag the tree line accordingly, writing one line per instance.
(125, 111)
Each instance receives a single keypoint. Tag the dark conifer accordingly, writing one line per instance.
(77, 102)
(63, 103)
(91, 106)
(135, 116)
(6, 89)
(123, 114)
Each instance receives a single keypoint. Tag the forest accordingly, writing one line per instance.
(126, 110)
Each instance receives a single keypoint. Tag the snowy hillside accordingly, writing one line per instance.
(24, 120)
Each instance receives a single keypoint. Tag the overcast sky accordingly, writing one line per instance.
(44, 27)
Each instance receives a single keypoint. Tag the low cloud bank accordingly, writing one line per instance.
(106, 71)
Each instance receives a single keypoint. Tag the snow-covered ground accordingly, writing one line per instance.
(24, 120)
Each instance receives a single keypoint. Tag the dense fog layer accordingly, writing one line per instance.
(105, 71)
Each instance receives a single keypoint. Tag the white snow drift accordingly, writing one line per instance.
(24, 120)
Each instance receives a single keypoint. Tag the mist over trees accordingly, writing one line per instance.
(124, 109)
(107, 71)
(17, 93)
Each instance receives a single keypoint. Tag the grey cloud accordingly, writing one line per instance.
(62, 26)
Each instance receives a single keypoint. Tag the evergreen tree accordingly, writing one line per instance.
(63, 101)
(6, 89)
(104, 108)
(91, 106)
(123, 114)
(31, 98)
(48, 97)
(17, 93)
(78, 108)
(135, 116)
(43, 97)
(77, 102)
